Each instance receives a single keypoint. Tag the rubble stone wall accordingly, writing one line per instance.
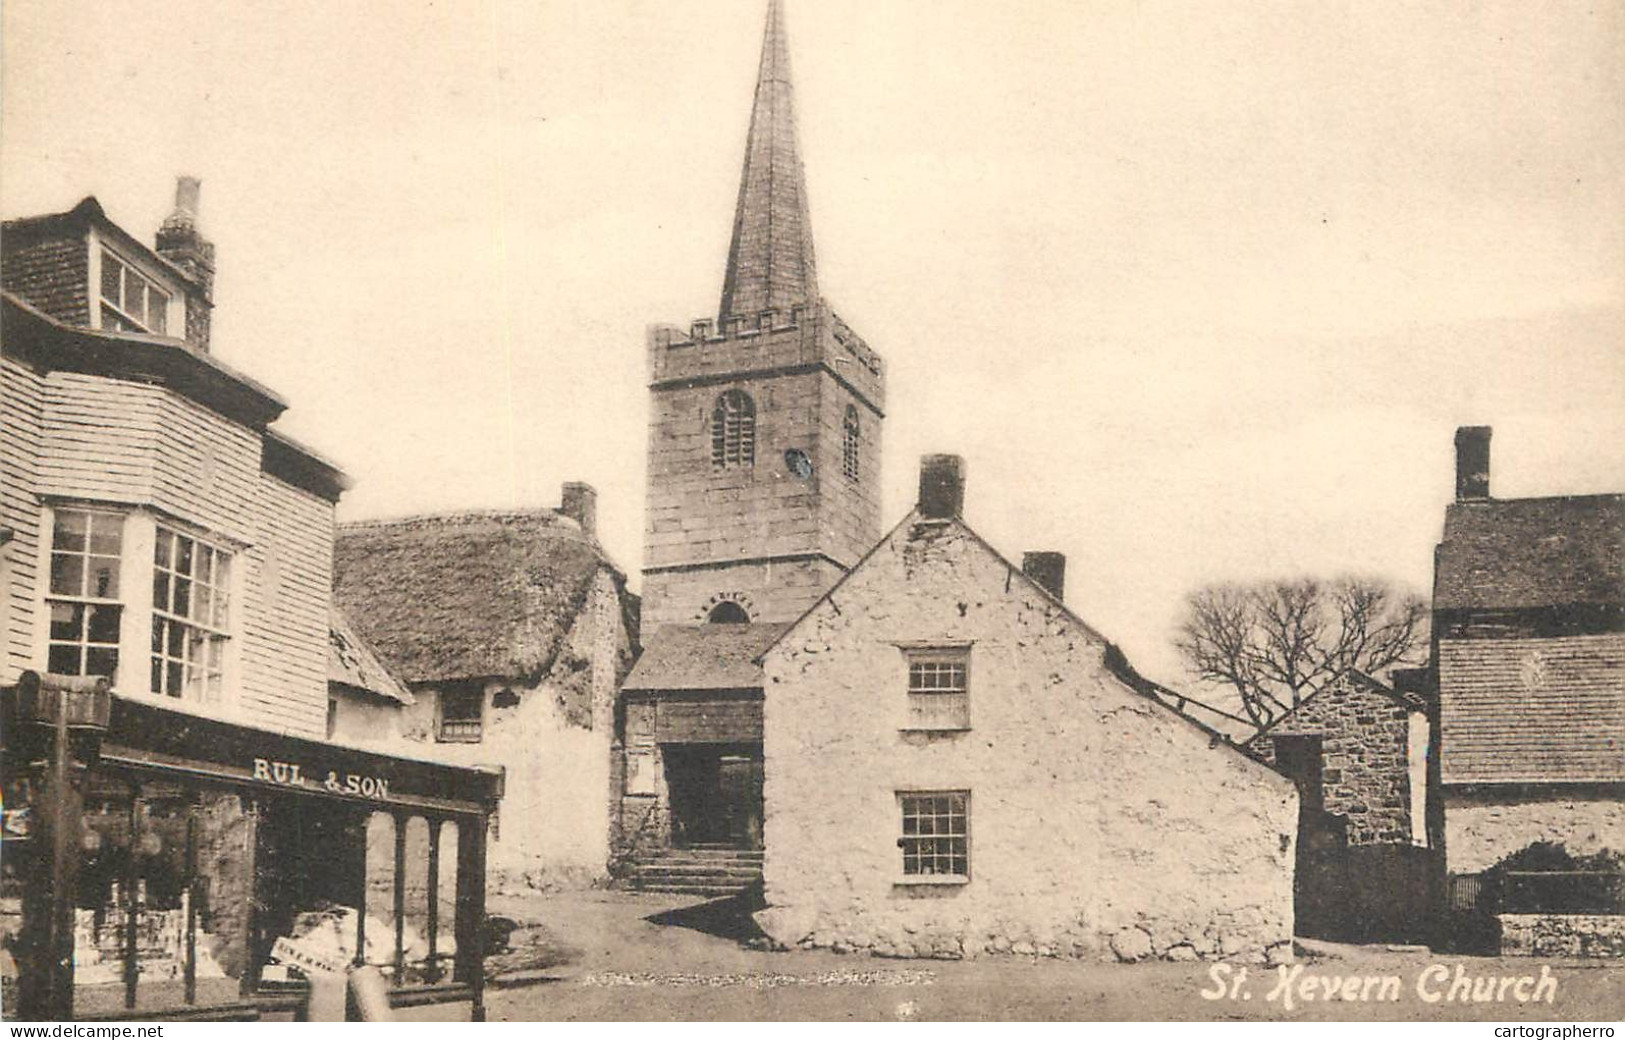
(1102, 825)
(1563, 935)
(1366, 772)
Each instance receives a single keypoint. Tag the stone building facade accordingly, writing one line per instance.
(957, 767)
(1368, 747)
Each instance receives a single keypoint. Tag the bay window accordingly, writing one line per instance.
(99, 614)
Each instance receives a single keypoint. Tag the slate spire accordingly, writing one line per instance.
(770, 261)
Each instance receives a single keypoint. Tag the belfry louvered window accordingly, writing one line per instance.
(849, 444)
(733, 431)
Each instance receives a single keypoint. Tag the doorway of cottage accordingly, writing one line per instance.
(716, 794)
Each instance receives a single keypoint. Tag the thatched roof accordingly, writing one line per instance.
(703, 657)
(354, 664)
(466, 595)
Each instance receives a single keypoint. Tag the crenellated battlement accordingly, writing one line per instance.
(770, 339)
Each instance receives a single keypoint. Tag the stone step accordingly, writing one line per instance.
(686, 888)
(699, 861)
(726, 877)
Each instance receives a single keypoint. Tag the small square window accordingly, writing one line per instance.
(939, 689)
(462, 714)
(935, 842)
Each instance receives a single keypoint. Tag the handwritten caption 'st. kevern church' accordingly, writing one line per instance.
(1435, 983)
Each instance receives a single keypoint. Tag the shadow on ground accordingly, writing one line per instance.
(727, 918)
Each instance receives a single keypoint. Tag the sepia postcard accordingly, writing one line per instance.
(812, 510)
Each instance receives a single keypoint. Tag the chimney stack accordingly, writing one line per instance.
(1472, 463)
(942, 487)
(180, 242)
(579, 502)
(1048, 569)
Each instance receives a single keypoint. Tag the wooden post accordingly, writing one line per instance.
(361, 901)
(132, 884)
(191, 904)
(46, 986)
(400, 896)
(431, 970)
(471, 908)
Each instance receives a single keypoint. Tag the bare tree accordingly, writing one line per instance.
(1276, 642)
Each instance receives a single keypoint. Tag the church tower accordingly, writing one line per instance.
(764, 435)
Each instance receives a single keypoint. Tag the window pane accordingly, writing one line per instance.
(67, 622)
(67, 574)
(205, 605)
(164, 551)
(105, 534)
(103, 577)
(112, 277)
(103, 625)
(101, 660)
(183, 555)
(160, 590)
(182, 603)
(135, 296)
(69, 531)
(156, 316)
(157, 675)
(158, 629)
(205, 564)
(173, 679)
(64, 660)
(176, 639)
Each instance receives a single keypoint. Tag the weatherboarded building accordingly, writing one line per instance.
(1529, 630)
(513, 631)
(958, 765)
(165, 589)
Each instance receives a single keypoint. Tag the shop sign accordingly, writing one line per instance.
(289, 774)
(299, 955)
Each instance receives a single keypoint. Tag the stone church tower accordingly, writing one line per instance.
(764, 436)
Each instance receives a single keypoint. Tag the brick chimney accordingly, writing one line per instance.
(1472, 463)
(180, 242)
(942, 486)
(1048, 569)
(579, 502)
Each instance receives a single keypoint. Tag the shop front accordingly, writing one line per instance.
(161, 864)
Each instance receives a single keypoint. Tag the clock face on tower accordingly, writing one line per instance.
(798, 463)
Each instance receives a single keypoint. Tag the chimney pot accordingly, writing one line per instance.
(188, 195)
(1472, 463)
(942, 486)
(579, 502)
(1048, 569)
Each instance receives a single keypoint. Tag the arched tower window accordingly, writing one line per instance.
(733, 431)
(849, 444)
(727, 613)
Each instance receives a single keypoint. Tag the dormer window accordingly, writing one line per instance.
(130, 301)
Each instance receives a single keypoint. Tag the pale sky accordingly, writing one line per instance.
(1199, 290)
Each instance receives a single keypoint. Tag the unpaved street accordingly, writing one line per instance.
(658, 957)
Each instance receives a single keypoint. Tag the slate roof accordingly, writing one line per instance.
(354, 664)
(466, 595)
(1500, 554)
(1533, 710)
(703, 657)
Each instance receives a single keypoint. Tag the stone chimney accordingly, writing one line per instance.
(1472, 463)
(942, 487)
(180, 242)
(1048, 569)
(579, 502)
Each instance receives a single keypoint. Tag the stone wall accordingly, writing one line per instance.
(1102, 825)
(1563, 935)
(1365, 738)
(552, 737)
(1483, 827)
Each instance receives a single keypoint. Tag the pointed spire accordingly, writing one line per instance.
(770, 262)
